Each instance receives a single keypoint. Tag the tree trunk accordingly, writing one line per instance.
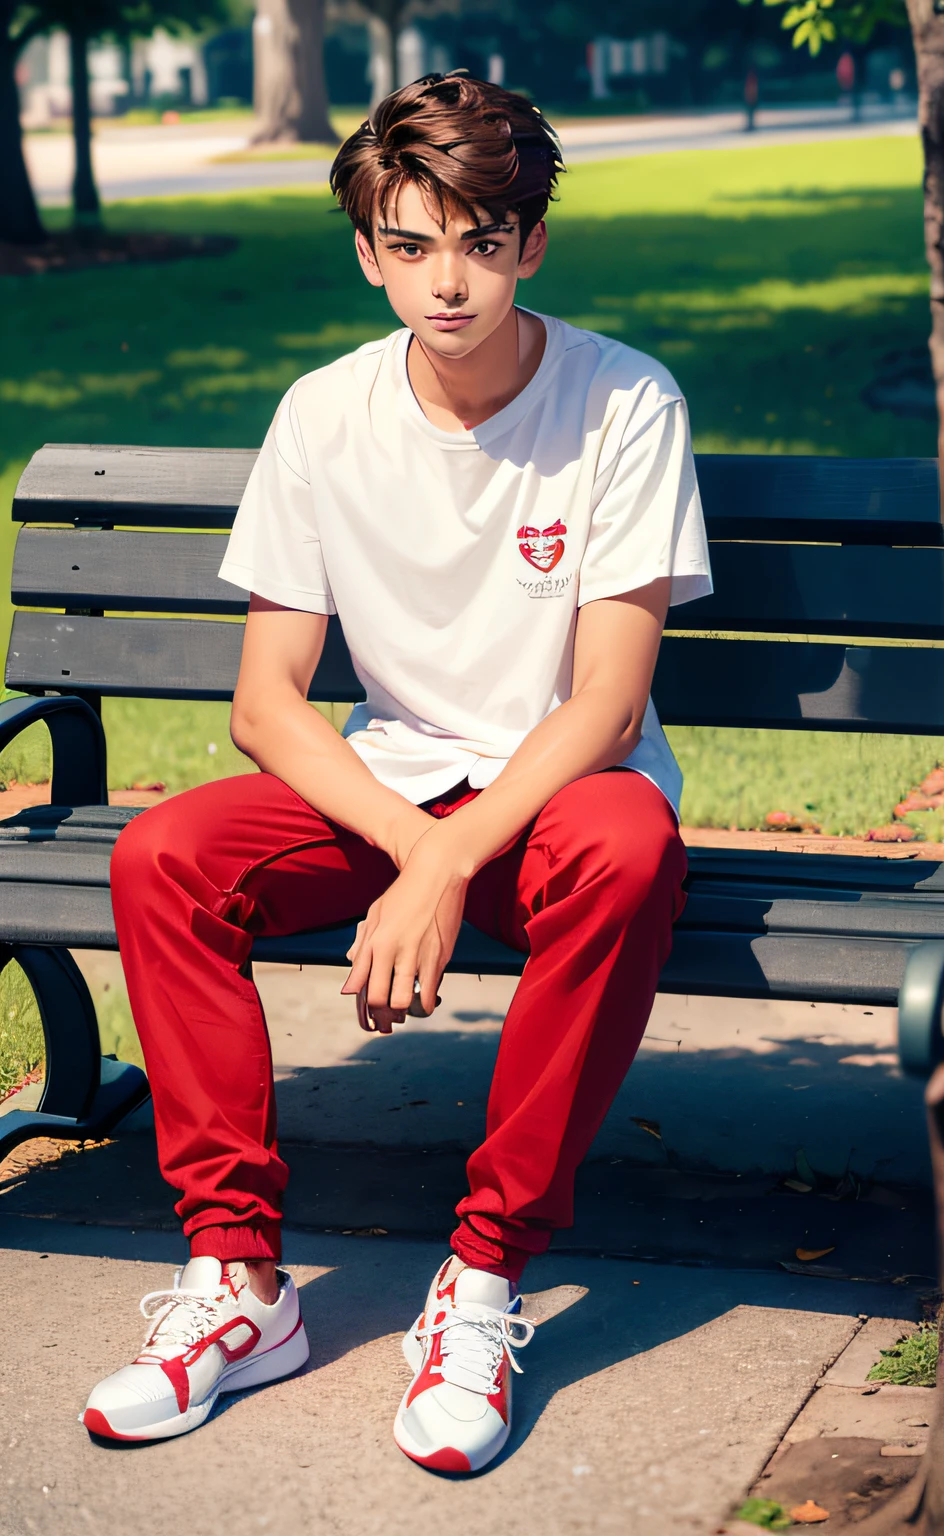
(19, 219)
(383, 59)
(927, 30)
(291, 97)
(86, 209)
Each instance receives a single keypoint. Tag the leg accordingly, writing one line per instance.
(193, 881)
(592, 890)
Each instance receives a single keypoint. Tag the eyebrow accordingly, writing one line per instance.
(478, 233)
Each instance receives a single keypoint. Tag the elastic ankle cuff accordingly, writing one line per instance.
(238, 1242)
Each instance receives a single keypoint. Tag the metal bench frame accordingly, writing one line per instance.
(850, 552)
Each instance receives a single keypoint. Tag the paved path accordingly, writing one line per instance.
(178, 160)
(653, 1396)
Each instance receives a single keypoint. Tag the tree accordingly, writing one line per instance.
(83, 20)
(291, 97)
(814, 22)
(19, 217)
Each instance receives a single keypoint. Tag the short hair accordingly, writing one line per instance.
(465, 143)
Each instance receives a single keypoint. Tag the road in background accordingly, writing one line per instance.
(180, 159)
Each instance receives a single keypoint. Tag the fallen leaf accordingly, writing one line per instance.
(809, 1513)
(868, 1391)
(934, 783)
(651, 1127)
(806, 1255)
(798, 1185)
(892, 834)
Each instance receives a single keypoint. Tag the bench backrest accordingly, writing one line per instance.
(825, 547)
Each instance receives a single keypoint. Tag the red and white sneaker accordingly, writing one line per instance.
(208, 1335)
(456, 1414)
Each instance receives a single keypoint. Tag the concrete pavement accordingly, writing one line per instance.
(653, 1396)
(654, 1392)
(184, 159)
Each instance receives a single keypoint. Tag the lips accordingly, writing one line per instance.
(450, 322)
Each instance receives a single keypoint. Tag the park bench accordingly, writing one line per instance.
(850, 551)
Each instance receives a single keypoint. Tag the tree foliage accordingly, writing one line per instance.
(815, 22)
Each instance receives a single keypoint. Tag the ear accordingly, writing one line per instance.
(367, 259)
(532, 253)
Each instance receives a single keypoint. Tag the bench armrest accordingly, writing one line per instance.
(78, 745)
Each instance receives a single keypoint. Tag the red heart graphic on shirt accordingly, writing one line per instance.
(542, 547)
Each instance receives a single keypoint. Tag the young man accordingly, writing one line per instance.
(500, 508)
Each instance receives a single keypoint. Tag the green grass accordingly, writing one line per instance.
(912, 1362)
(21, 1029)
(772, 280)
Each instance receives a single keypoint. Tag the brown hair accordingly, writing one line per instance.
(466, 144)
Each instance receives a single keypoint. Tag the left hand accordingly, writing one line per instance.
(409, 932)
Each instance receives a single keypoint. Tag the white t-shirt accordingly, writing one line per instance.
(457, 561)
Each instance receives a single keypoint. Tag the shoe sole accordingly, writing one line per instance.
(272, 1365)
(448, 1458)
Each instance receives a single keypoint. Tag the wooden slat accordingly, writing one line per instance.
(151, 658)
(800, 589)
(746, 496)
(715, 964)
(792, 685)
(855, 501)
(785, 588)
(133, 572)
(698, 682)
(160, 487)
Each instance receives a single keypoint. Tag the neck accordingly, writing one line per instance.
(462, 392)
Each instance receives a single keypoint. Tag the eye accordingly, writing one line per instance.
(485, 247)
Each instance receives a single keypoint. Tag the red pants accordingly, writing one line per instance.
(590, 890)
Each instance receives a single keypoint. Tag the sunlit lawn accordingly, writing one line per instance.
(773, 281)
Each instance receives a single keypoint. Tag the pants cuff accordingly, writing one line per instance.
(491, 1253)
(231, 1244)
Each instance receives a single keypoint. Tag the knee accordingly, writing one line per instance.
(630, 848)
(140, 857)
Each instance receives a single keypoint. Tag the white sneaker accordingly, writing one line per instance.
(456, 1414)
(208, 1335)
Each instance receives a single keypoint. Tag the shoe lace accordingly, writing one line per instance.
(475, 1343)
(179, 1317)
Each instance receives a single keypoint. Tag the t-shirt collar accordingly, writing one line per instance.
(510, 414)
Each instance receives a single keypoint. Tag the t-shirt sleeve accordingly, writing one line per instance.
(647, 519)
(275, 548)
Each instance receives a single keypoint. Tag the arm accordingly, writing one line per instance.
(273, 723)
(412, 929)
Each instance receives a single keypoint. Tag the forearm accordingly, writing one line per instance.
(583, 735)
(285, 736)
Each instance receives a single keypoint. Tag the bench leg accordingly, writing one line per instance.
(921, 1010)
(84, 1097)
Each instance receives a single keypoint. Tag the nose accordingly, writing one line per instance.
(449, 282)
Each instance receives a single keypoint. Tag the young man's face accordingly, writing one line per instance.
(451, 287)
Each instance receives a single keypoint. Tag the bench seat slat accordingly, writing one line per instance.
(859, 501)
(87, 864)
(730, 871)
(804, 967)
(787, 588)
